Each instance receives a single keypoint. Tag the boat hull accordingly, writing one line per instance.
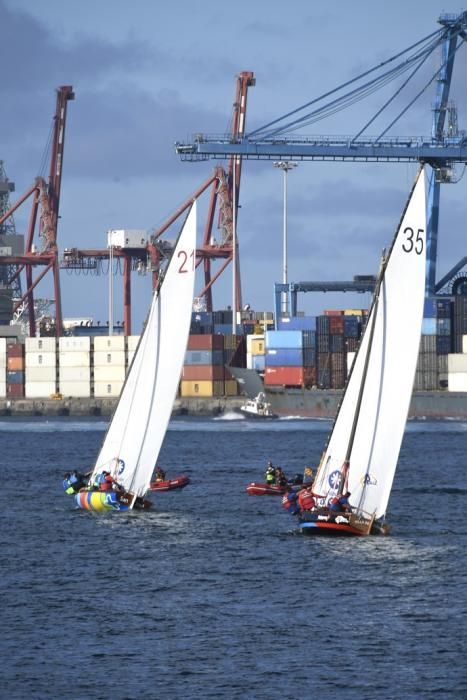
(257, 489)
(326, 529)
(179, 482)
(99, 501)
(258, 416)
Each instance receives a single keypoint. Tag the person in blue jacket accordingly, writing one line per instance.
(290, 502)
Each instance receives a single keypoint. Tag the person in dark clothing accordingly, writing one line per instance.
(281, 478)
(290, 502)
(270, 474)
(159, 474)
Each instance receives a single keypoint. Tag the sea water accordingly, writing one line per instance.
(213, 594)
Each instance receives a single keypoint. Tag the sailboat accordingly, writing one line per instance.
(363, 448)
(135, 434)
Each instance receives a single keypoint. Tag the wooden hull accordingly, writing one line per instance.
(170, 484)
(326, 529)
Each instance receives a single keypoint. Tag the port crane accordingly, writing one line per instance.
(442, 150)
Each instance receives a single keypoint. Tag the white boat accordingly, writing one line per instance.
(134, 438)
(257, 408)
(363, 447)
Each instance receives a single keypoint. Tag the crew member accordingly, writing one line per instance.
(160, 474)
(340, 504)
(289, 501)
(270, 474)
(281, 479)
(72, 483)
(306, 500)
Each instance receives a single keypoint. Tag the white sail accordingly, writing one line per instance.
(391, 365)
(134, 438)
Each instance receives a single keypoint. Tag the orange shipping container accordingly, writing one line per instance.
(203, 373)
(206, 342)
(15, 363)
(286, 376)
(333, 312)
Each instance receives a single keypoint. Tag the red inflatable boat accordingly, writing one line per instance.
(170, 484)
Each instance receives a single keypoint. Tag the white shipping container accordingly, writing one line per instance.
(40, 359)
(76, 344)
(109, 342)
(2, 389)
(130, 356)
(464, 344)
(74, 358)
(2, 359)
(249, 360)
(75, 389)
(457, 381)
(111, 388)
(109, 374)
(2, 345)
(75, 374)
(39, 390)
(457, 363)
(132, 341)
(350, 360)
(103, 358)
(41, 344)
(251, 337)
(41, 374)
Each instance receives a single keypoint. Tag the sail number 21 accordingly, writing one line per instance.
(413, 241)
(187, 261)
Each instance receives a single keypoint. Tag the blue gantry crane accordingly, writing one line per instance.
(446, 147)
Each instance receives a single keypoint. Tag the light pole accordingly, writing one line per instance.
(285, 166)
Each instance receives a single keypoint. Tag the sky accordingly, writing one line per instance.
(148, 74)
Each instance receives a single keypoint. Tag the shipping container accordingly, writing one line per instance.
(309, 357)
(351, 327)
(129, 357)
(75, 374)
(430, 308)
(15, 391)
(351, 344)
(75, 389)
(103, 358)
(74, 358)
(204, 357)
(457, 363)
(230, 387)
(322, 325)
(15, 364)
(443, 308)
(40, 389)
(457, 381)
(40, 374)
(323, 342)
(428, 343)
(232, 341)
(336, 325)
(464, 343)
(109, 373)
(205, 342)
(201, 389)
(110, 388)
(309, 339)
(257, 362)
(40, 359)
(284, 339)
(429, 326)
(14, 350)
(3, 345)
(2, 389)
(41, 345)
(444, 344)
(284, 376)
(333, 312)
(336, 343)
(203, 373)
(74, 344)
(15, 377)
(284, 357)
(297, 323)
(443, 326)
(3, 359)
(255, 344)
(109, 342)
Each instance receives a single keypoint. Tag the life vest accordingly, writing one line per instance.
(289, 502)
(335, 504)
(306, 500)
(106, 483)
(270, 476)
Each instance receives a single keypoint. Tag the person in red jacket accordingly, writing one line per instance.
(306, 500)
(289, 501)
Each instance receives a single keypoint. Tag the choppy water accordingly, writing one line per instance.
(212, 595)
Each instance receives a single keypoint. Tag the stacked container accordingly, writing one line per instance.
(435, 345)
(284, 358)
(2, 367)
(109, 365)
(131, 345)
(41, 367)
(74, 363)
(459, 321)
(15, 370)
(231, 346)
(203, 371)
(255, 351)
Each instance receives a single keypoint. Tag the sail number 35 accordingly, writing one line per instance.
(413, 241)
(187, 261)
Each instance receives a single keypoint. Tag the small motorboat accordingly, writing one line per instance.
(263, 489)
(258, 407)
(179, 482)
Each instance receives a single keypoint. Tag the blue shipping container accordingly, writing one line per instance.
(284, 357)
(429, 308)
(284, 339)
(258, 362)
(15, 377)
(204, 357)
(309, 339)
(429, 326)
(297, 323)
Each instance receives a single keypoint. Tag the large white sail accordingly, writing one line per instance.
(390, 371)
(134, 438)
